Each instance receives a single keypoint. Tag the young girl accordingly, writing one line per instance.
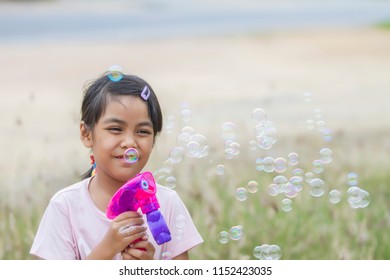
(117, 114)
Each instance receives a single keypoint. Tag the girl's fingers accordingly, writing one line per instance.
(127, 215)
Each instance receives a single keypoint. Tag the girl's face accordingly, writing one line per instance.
(124, 124)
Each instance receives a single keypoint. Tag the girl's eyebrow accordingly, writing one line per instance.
(114, 120)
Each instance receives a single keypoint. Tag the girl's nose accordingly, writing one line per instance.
(128, 142)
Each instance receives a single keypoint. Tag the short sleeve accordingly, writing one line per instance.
(54, 239)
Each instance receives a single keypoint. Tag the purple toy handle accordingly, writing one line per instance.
(136, 193)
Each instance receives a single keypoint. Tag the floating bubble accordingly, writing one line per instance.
(352, 179)
(186, 115)
(170, 182)
(223, 237)
(268, 164)
(308, 177)
(235, 232)
(357, 197)
(317, 187)
(115, 73)
(318, 166)
(131, 155)
(252, 186)
(252, 145)
(326, 155)
(259, 164)
(273, 189)
(266, 135)
(176, 155)
(293, 158)
(280, 164)
(220, 169)
(170, 124)
(290, 190)
(228, 131)
(334, 196)
(241, 194)
(232, 149)
(310, 124)
(180, 221)
(321, 125)
(259, 115)
(298, 172)
(307, 97)
(327, 135)
(286, 204)
(193, 149)
(281, 182)
(183, 138)
(297, 183)
(267, 252)
(318, 113)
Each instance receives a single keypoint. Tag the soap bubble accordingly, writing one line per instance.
(115, 73)
(167, 255)
(220, 169)
(317, 187)
(357, 197)
(176, 155)
(268, 164)
(228, 131)
(286, 204)
(241, 194)
(307, 97)
(252, 186)
(326, 155)
(293, 158)
(131, 155)
(223, 237)
(334, 196)
(259, 115)
(259, 164)
(186, 115)
(280, 164)
(352, 179)
(170, 182)
(310, 124)
(235, 232)
(267, 252)
(318, 166)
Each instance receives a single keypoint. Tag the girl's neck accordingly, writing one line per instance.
(102, 189)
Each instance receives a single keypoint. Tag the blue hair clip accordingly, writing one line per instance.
(145, 93)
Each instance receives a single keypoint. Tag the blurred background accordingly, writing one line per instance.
(276, 116)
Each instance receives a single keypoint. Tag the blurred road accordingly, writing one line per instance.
(78, 21)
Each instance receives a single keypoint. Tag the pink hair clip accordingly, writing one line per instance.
(145, 93)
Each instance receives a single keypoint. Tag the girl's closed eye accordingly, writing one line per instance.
(115, 129)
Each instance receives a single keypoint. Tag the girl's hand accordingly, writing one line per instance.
(124, 229)
(140, 250)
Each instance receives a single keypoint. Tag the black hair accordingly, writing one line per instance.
(98, 91)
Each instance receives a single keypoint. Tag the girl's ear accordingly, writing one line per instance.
(85, 135)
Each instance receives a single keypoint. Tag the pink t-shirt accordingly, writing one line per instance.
(72, 225)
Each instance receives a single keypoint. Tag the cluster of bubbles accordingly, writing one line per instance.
(357, 197)
(288, 184)
(267, 252)
(188, 143)
(229, 135)
(235, 233)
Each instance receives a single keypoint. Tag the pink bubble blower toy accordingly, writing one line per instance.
(140, 192)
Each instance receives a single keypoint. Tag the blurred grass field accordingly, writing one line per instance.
(314, 229)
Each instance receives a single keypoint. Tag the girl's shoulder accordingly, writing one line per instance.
(74, 190)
